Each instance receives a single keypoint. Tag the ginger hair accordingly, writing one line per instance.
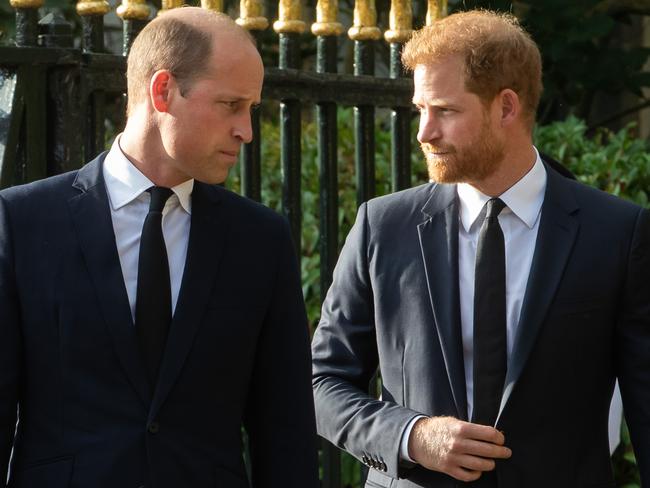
(497, 52)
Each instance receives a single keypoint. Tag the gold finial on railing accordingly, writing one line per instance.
(326, 24)
(436, 11)
(92, 7)
(250, 15)
(26, 3)
(289, 18)
(401, 21)
(167, 5)
(133, 10)
(365, 22)
(216, 5)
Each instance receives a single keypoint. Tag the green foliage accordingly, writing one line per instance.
(616, 162)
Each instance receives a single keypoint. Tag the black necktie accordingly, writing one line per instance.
(153, 305)
(490, 345)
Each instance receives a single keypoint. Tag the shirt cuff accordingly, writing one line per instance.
(404, 445)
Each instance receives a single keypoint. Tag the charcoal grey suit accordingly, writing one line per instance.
(585, 319)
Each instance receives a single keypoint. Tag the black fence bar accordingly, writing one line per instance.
(131, 29)
(31, 161)
(364, 124)
(290, 142)
(12, 109)
(251, 155)
(400, 124)
(66, 109)
(26, 26)
(328, 245)
(95, 112)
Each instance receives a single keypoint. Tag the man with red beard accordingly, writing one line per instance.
(499, 302)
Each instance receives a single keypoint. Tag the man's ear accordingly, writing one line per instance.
(161, 90)
(509, 106)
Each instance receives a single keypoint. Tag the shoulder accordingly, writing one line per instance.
(41, 192)
(242, 210)
(402, 202)
(588, 197)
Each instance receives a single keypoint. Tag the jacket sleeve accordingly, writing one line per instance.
(10, 342)
(280, 408)
(633, 345)
(345, 358)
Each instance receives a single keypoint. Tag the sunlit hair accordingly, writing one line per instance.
(172, 44)
(498, 54)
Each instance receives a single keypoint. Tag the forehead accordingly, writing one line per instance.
(235, 67)
(439, 79)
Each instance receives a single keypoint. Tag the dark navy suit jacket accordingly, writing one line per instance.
(585, 319)
(237, 351)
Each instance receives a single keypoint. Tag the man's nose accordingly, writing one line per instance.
(429, 129)
(243, 128)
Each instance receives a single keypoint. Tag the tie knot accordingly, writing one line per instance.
(493, 208)
(159, 196)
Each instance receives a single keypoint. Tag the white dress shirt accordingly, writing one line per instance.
(129, 202)
(519, 222)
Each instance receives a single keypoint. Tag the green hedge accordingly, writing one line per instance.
(615, 162)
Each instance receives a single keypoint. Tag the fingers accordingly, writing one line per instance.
(484, 449)
(480, 433)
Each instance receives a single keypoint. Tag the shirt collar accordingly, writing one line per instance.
(125, 182)
(524, 199)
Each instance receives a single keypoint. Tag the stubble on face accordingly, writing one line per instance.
(474, 161)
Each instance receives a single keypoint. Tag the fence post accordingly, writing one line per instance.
(251, 19)
(364, 33)
(92, 21)
(289, 27)
(401, 22)
(134, 13)
(327, 29)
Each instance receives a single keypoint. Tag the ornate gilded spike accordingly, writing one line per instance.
(289, 18)
(436, 11)
(326, 24)
(26, 3)
(133, 10)
(401, 21)
(365, 22)
(92, 7)
(216, 5)
(169, 4)
(250, 15)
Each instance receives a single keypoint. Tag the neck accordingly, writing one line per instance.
(517, 162)
(142, 145)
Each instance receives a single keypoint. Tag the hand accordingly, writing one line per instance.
(460, 449)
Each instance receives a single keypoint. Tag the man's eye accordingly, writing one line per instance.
(230, 105)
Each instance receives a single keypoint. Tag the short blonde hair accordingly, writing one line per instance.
(498, 54)
(173, 43)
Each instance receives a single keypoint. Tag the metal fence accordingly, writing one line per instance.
(54, 98)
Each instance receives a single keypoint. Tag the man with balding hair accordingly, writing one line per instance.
(499, 302)
(147, 314)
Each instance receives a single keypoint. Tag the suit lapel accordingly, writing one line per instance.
(439, 243)
(208, 231)
(94, 228)
(557, 232)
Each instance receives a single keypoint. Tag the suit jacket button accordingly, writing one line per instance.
(153, 428)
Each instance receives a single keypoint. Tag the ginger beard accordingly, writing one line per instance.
(471, 162)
